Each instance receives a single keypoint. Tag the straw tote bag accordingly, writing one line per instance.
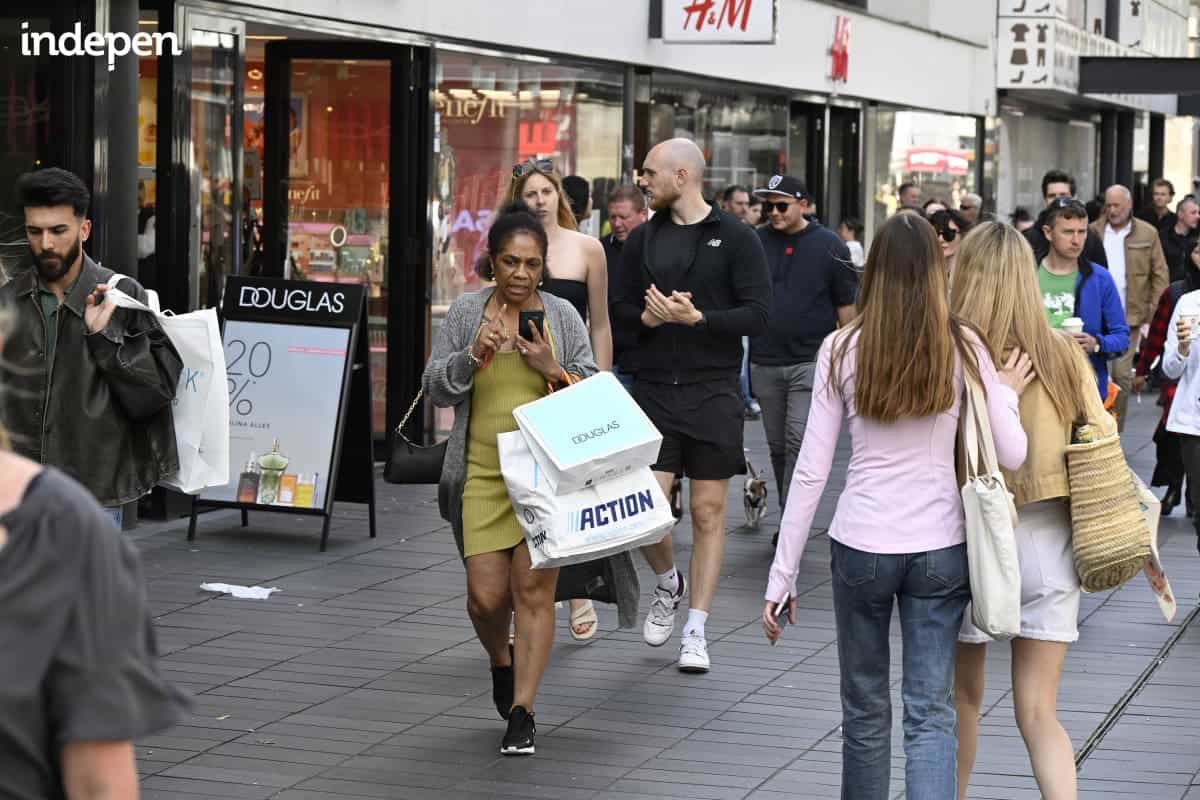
(1111, 538)
(990, 517)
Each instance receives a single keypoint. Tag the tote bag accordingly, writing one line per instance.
(990, 518)
(200, 410)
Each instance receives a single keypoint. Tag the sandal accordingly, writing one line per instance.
(585, 615)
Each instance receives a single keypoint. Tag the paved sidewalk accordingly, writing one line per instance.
(361, 678)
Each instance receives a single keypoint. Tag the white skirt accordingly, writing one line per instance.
(1049, 583)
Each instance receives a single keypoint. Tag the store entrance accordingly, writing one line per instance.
(843, 200)
(338, 138)
(806, 149)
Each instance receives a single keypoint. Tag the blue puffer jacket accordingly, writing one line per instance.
(1098, 304)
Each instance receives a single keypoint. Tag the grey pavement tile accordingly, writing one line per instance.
(362, 678)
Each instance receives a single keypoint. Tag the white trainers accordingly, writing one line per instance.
(693, 653)
(660, 622)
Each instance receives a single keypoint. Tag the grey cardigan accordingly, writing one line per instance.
(448, 380)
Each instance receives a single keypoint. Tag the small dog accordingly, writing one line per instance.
(754, 496)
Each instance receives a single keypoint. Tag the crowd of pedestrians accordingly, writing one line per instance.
(699, 308)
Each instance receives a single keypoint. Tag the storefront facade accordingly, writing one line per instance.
(285, 141)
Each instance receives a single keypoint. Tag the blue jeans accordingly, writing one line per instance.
(747, 398)
(626, 378)
(933, 590)
(116, 514)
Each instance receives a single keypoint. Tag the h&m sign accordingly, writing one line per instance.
(713, 21)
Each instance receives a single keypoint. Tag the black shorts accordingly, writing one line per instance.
(701, 425)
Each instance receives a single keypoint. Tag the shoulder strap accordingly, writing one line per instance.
(977, 431)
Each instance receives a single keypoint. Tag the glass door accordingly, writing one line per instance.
(208, 151)
(806, 150)
(339, 199)
(843, 193)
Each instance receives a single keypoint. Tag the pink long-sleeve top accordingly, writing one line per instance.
(901, 493)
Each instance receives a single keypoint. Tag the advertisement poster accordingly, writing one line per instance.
(285, 383)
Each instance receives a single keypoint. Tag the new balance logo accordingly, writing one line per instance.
(714, 242)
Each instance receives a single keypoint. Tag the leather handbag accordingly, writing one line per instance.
(990, 519)
(413, 463)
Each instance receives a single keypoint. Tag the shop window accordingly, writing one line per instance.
(147, 126)
(935, 151)
(492, 113)
(25, 136)
(744, 135)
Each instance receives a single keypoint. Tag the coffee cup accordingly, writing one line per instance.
(1072, 325)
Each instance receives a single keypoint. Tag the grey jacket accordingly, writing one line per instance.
(448, 380)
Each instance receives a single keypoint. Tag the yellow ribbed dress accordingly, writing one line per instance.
(489, 523)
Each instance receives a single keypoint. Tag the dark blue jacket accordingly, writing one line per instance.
(1098, 304)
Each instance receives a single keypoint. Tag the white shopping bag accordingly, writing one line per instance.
(588, 432)
(201, 408)
(608, 517)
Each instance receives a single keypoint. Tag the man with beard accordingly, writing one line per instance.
(694, 282)
(88, 386)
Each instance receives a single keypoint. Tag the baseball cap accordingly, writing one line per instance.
(784, 185)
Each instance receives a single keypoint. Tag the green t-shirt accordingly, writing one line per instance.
(1058, 295)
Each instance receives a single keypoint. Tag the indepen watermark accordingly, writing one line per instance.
(113, 45)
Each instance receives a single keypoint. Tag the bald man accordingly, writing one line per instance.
(694, 282)
(1139, 269)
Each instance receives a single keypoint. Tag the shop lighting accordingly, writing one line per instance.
(264, 38)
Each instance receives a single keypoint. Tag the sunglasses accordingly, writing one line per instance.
(1067, 202)
(946, 233)
(532, 165)
(782, 208)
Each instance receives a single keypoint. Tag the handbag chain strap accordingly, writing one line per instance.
(408, 414)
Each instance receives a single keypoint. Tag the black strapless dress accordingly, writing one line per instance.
(573, 291)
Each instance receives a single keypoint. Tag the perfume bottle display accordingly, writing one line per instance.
(272, 465)
(306, 487)
(287, 490)
(247, 491)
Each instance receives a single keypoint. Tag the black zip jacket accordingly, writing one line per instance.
(730, 284)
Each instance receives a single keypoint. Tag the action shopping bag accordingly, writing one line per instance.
(587, 433)
(607, 517)
(201, 408)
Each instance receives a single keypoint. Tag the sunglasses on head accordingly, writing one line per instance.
(1067, 202)
(781, 207)
(532, 165)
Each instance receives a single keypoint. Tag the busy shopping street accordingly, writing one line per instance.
(361, 677)
(638, 400)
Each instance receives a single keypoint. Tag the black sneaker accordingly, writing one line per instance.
(518, 740)
(502, 687)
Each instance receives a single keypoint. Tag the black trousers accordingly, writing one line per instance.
(1190, 447)
(1168, 467)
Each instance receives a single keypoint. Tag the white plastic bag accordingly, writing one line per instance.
(608, 517)
(991, 517)
(201, 408)
(589, 432)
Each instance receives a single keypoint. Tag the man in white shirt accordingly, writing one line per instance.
(1139, 270)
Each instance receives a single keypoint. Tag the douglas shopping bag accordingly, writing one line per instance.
(587, 433)
(201, 408)
(608, 517)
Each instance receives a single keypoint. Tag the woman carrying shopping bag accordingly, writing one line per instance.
(897, 375)
(580, 276)
(483, 366)
(996, 289)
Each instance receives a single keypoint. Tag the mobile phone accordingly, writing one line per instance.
(781, 611)
(537, 317)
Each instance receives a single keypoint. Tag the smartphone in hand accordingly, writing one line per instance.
(782, 617)
(539, 320)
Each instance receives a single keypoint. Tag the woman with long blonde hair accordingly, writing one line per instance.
(995, 288)
(896, 374)
(578, 272)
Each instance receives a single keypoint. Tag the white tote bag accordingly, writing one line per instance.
(607, 517)
(990, 517)
(589, 432)
(201, 408)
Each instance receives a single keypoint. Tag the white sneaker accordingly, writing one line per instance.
(693, 653)
(660, 622)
